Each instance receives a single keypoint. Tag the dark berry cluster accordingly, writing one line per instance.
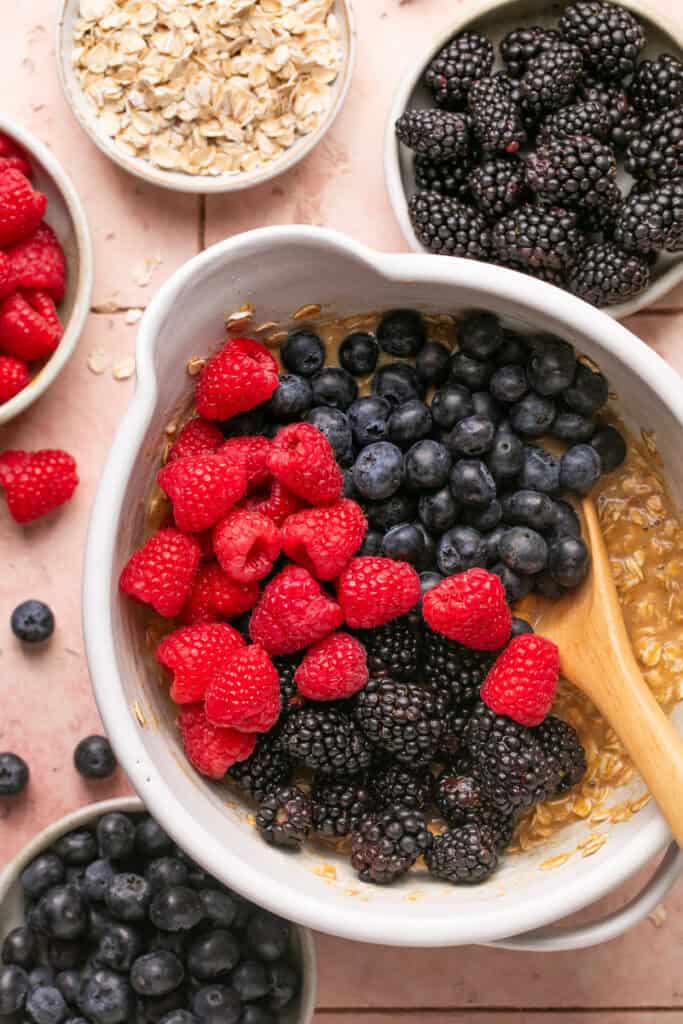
(519, 167)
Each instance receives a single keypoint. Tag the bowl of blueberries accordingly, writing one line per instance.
(104, 920)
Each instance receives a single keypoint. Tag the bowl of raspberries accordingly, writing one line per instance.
(45, 268)
(549, 142)
(305, 570)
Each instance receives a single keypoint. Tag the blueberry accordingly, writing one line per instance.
(254, 1013)
(484, 404)
(152, 1009)
(20, 947)
(94, 758)
(429, 580)
(181, 1017)
(164, 871)
(588, 392)
(220, 907)
(14, 774)
(484, 519)
(438, 511)
(472, 435)
(45, 1005)
(76, 1020)
(155, 974)
(544, 584)
(472, 483)
(250, 980)
(284, 984)
(334, 424)
(292, 398)
(334, 387)
(533, 415)
(348, 486)
(506, 457)
(552, 366)
(150, 838)
(473, 373)
(572, 426)
(369, 420)
(372, 544)
(523, 550)
(14, 987)
(76, 848)
(69, 984)
(480, 334)
(397, 382)
(611, 447)
(459, 548)
(509, 383)
(32, 622)
(451, 403)
(63, 912)
(540, 471)
(217, 1004)
(303, 352)
(41, 976)
(568, 561)
(64, 955)
(268, 936)
(529, 508)
(406, 543)
(566, 522)
(245, 423)
(520, 626)
(427, 465)
(409, 423)
(514, 349)
(115, 836)
(212, 954)
(378, 471)
(516, 586)
(118, 947)
(358, 353)
(98, 921)
(400, 508)
(106, 998)
(490, 542)
(580, 467)
(433, 364)
(176, 909)
(171, 942)
(128, 897)
(402, 332)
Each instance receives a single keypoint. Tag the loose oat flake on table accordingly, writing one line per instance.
(210, 86)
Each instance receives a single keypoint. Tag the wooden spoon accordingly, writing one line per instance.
(596, 656)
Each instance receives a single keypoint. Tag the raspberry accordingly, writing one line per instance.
(35, 483)
(294, 612)
(244, 692)
(12, 155)
(255, 452)
(470, 607)
(29, 325)
(302, 459)
(324, 540)
(202, 489)
(246, 545)
(21, 208)
(198, 437)
(523, 680)
(7, 280)
(209, 749)
(242, 375)
(161, 572)
(193, 654)
(14, 376)
(273, 501)
(373, 591)
(38, 262)
(215, 596)
(335, 668)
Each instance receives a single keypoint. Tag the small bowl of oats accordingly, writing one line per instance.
(209, 98)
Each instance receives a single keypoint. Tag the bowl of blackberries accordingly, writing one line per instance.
(548, 138)
(103, 920)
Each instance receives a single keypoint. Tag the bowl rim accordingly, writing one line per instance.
(84, 282)
(412, 74)
(204, 184)
(560, 311)
(133, 805)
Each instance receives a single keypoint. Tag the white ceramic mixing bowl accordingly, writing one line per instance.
(279, 270)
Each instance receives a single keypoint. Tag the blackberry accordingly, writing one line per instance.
(624, 119)
(608, 35)
(519, 46)
(606, 275)
(657, 151)
(464, 856)
(550, 80)
(498, 185)
(603, 217)
(392, 650)
(386, 845)
(339, 804)
(267, 769)
(537, 237)
(452, 742)
(657, 85)
(447, 177)
(401, 718)
(438, 134)
(573, 171)
(561, 745)
(325, 739)
(289, 695)
(284, 817)
(652, 219)
(452, 669)
(394, 784)
(546, 274)
(586, 118)
(449, 227)
(462, 799)
(461, 62)
(496, 120)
